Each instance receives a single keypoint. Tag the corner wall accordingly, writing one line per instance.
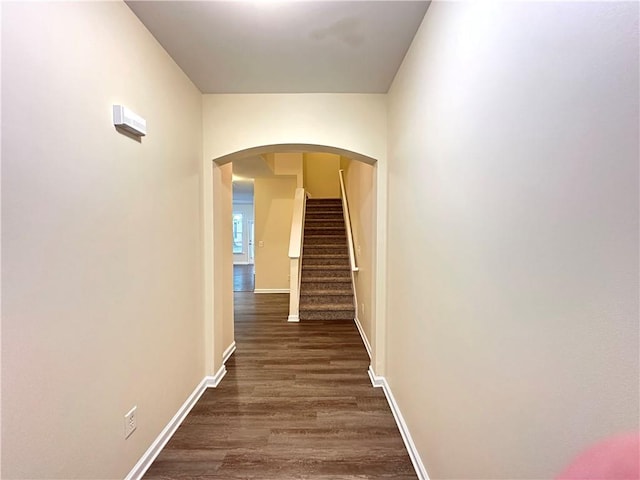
(101, 240)
(513, 295)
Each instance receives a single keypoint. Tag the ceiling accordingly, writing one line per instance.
(290, 46)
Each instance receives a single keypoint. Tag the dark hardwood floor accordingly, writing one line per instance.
(296, 403)
(243, 278)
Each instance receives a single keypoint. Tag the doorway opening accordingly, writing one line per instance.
(242, 225)
(363, 176)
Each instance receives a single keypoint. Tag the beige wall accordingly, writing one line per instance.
(354, 122)
(289, 164)
(513, 296)
(101, 244)
(273, 210)
(321, 174)
(359, 181)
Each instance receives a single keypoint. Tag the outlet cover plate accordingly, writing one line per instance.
(130, 422)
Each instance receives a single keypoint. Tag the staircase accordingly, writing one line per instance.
(326, 292)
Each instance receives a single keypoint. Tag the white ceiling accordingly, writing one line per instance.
(286, 46)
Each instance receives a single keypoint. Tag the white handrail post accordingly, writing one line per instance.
(295, 254)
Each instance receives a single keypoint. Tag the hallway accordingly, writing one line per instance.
(296, 403)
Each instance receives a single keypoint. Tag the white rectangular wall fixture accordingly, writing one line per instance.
(129, 121)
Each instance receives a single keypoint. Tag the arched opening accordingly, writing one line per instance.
(219, 295)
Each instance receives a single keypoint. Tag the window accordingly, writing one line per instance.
(238, 245)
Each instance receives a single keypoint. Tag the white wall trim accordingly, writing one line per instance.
(365, 340)
(214, 381)
(156, 447)
(243, 262)
(228, 352)
(381, 382)
(376, 380)
(293, 318)
(271, 290)
(167, 432)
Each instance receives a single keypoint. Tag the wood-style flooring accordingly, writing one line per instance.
(243, 278)
(296, 403)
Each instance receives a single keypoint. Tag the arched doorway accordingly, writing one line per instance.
(218, 277)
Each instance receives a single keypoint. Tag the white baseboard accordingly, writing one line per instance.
(228, 352)
(161, 440)
(214, 381)
(381, 382)
(365, 340)
(293, 318)
(271, 290)
(156, 447)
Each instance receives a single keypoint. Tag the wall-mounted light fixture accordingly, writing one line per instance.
(129, 121)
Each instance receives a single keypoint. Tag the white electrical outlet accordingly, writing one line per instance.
(362, 309)
(130, 422)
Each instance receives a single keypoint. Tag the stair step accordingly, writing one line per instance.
(315, 290)
(323, 223)
(320, 278)
(328, 315)
(320, 249)
(336, 236)
(326, 286)
(343, 262)
(323, 210)
(314, 300)
(327, 206)
(322, 267)
(314, 220)
(324, 230)
(329, 239)
(325, 239)
(327, 307)
(327, 242)
(321, 271)
(324, 218)
(325, 279)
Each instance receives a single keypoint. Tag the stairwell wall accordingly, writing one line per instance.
(321, 174)
(513, 297)
(359, 181)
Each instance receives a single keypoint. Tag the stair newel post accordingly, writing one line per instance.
(295, 254)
